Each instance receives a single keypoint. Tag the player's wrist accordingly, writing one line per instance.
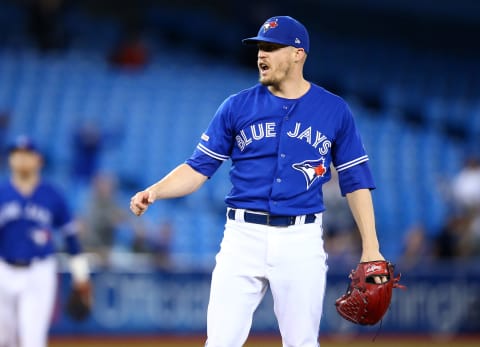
(152, 195)
(370, 242)
(371, 255)
(79, 268)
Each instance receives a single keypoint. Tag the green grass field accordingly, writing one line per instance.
(399, 341)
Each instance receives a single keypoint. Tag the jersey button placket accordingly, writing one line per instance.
(285, 118)
(281, 154)
(285, 109)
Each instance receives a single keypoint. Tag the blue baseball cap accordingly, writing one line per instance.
(24, 143)
(283, 30)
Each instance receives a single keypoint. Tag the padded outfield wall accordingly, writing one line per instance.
(438, 301)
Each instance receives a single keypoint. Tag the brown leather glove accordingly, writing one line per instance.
(366, 299)
(79, 302)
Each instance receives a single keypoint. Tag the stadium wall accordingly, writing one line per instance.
(436, 302)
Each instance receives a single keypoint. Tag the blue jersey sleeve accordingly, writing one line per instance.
(215, 144)
(357, 177)
(349, 157)
(63, 220)
(62, 215)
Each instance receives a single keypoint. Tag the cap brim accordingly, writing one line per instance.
(12, 149)
(256, 39)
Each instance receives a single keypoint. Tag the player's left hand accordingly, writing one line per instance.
(368, 256)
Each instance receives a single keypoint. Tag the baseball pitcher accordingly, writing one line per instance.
(281, 135)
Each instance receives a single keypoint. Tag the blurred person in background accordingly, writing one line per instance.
(109, 232)
(132, 52)
(161, 241)
(466, 187)
(31, 209)
(87, 144)
(46, 24)
(460, 237)
(453, 240)
(103, 216)
(137, 244)
(416, 247)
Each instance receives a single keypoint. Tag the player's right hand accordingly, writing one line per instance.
(140, 202)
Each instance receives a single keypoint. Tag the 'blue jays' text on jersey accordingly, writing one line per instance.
(27, 223)
(281, 149)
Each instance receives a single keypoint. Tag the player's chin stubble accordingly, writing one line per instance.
(274, 79)
(267, 81)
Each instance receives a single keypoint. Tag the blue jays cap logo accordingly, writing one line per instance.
(311, 169)
(289, 32)
(271, 24)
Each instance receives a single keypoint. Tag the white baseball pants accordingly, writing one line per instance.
(27, 297)
(291, 260)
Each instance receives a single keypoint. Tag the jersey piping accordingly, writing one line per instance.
(352, 163)
(211, 153)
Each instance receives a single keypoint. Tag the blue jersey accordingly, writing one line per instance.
(27, 223)
(281, 150)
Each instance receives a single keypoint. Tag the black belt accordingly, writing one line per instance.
(271, 220)
(18, 262)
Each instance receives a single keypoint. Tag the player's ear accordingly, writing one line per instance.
(40, 161)
(300, 55)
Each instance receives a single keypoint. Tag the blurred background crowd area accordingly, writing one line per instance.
(117, 93)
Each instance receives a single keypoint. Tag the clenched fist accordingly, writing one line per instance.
(140, 202)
